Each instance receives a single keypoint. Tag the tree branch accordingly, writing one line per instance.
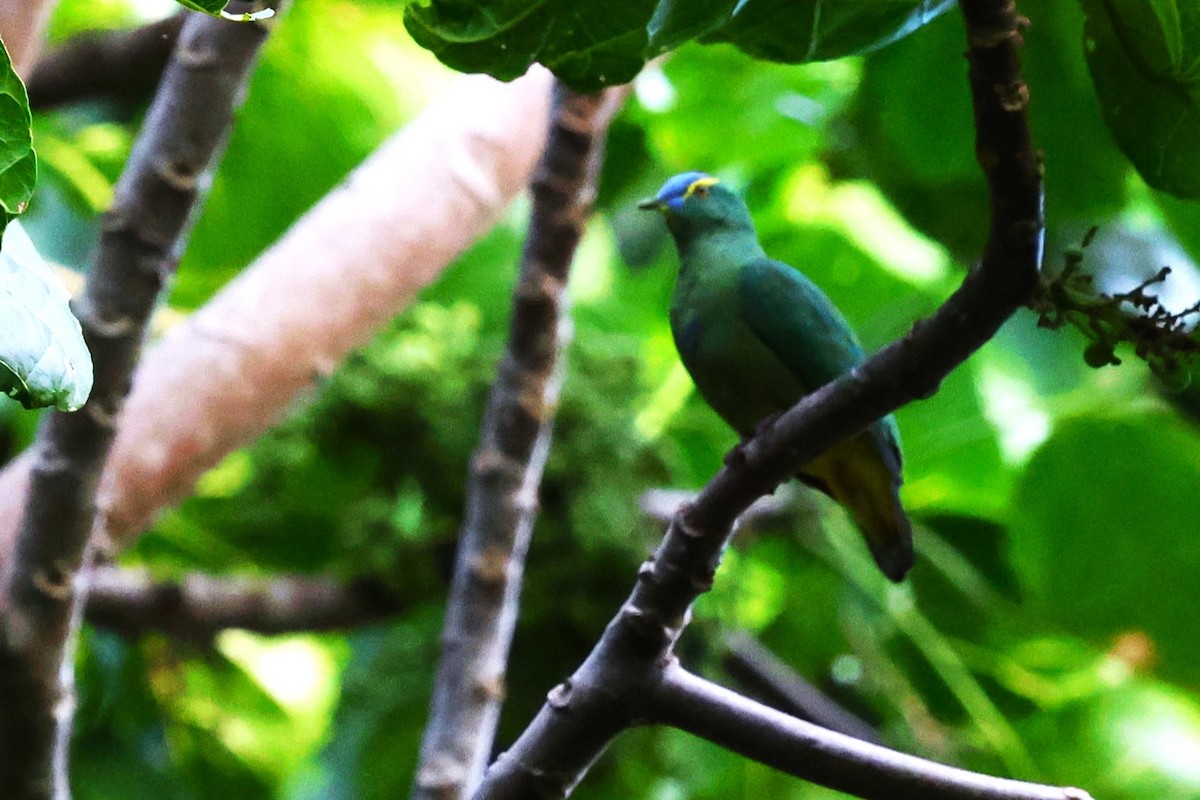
(141, 235)
(507, 467)
(22, 28)
(350, 264)
(780, 687)
(609, 691)
(807, 751)
(197, 607)
(122, 64)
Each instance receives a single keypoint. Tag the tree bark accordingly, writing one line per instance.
(506, 470)
(141, 236)
(118, 65)
(197, 607)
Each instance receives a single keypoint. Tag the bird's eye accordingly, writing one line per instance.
(700, 191)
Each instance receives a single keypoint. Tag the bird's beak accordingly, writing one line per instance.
(650, 204)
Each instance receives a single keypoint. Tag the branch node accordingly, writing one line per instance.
(103, 411)
(560, 696)
(490, 566)
(1013, 96)
(180, 175)
(95, 324)
(196, 56)
(491, 688)
(647, 626)
(492, 466)
(56, 582)
(684, 525)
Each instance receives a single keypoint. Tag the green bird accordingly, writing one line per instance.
(756, 336)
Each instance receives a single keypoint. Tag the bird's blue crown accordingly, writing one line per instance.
(682, 186)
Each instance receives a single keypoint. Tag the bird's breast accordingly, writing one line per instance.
(733, 370)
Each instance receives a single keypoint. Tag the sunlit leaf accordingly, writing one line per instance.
(43, 358)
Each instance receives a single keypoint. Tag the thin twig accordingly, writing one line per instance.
(122, 65)
(839, 762)
(197, 607)
(779, 686)
(506, 469)
(609, 691)
(141, 235)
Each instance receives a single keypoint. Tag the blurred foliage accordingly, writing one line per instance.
(1045, 631)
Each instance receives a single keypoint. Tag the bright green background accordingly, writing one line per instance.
(1047, 631)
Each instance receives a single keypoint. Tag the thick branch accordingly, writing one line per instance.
(197, 607)
(807, 751)
(608, 692)
(140, 238)
(345, 268)
(507, 468)
(22, 28)
(121, 65)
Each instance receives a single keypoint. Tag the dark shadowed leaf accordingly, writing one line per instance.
(1145, 61)
(597, 44)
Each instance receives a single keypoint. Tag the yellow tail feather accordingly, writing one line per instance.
(856, 476)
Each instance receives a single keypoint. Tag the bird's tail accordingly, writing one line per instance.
(854, 474)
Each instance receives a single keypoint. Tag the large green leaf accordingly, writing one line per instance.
(1103, 536)
(1144, 56)
(43, 358)
(925, 163)
(597, 44)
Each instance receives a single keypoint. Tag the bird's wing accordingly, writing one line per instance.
(806, 332)
(797, 322)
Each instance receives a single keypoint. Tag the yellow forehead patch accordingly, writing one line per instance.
(699, 183)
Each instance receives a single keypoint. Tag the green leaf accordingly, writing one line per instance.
(590, 45)
(1144, 56)
(815, 30)
(207, 6)
(1135, 740)
(1101, 539)
(43, 358)
(18, 166)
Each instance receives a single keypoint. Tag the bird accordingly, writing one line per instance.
(756, 336)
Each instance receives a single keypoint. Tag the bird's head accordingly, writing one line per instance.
(693, 202)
